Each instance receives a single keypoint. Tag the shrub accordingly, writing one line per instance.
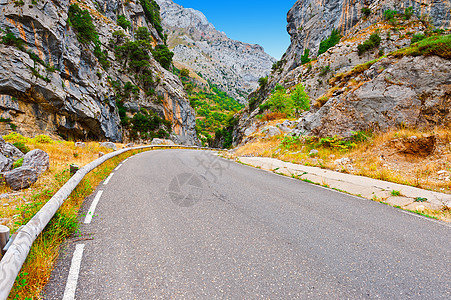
(11, 40)
(163, 55)
(278, 101)
(152, 13)
(43, 139)
(390, 14)
(16, 137)
(277, 66)
(408, 13)
(366, 11)
(373, 42)
(304, 58)
(101, 56)
(123, 22)
(22, 147)
(300, 99)
(82, 22)
(324, 70)
(142, 34)
(18, 163)
(331, 41)
(263, 81)
(184, 73)
(417, 37)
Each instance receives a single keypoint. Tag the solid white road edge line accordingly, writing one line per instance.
(118, 167)
(71, 285)
(92, 209)
(108, 179)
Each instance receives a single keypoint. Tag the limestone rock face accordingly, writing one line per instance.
(232, 65)
(56, 85)
(310, 22)
(412, 91)
(351, 91)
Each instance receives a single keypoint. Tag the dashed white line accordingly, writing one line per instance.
(118, 167)
(108, 179)
(92, 209)
(71, 285)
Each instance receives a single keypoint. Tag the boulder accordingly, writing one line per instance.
(129, 145)
(38, 160)
(108, 145)
(21, 178)
(313, 152)
(5, 163)
(271, 131)
(9, 150)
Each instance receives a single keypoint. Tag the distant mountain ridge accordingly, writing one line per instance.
(233, 66)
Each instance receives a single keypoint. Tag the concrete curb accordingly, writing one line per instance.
(365, 187)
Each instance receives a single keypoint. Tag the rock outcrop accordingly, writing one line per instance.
(232, 65)
(371, 90)
(52, 83)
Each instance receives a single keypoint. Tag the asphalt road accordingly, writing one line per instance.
(185, 224)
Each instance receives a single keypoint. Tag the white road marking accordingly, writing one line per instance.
(92, 209)
(118, 167)
(71, 285)
(108, 179)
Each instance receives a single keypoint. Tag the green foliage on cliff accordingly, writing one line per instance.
(291, 104)
(214, 110)
(147, 124)
(81, 21)
(434, 45)
(123, 22)
(163, 55)
(373, 42)
(331, 41)
(305, 57)
(152, 12)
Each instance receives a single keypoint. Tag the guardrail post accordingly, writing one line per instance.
(4, 237)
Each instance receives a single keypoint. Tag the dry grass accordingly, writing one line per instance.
(374, 158)
(23, 205)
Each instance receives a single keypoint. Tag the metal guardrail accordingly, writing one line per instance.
(13, 259)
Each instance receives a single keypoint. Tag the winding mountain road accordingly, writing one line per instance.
(186, 224)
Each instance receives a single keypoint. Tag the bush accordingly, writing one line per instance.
(324, 70)
(184, 73)
(304, 58)
(43, 139)
(123, 22)
(18, 163)
(82, 22)
(263, 81)
(16, 137)
(390, 14)
(11, 40)
(408, 13)
(331, 41)
(149, 125)
(163, 55)
(417, 37)
(142, 34)
(366, 11)
(300, 99)
(22, 147)
(373, 42)
(152, 12)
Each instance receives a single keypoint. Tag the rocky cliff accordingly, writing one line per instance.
(232, 65)
(55, 80)
(386, 84)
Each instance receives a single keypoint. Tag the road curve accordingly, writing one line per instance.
(186, 224)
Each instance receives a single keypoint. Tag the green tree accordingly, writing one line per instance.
(81, 21)
(304, 58)
(123, 22)
(300, 99)
(263, 81)
(163, 55)
(331, 41)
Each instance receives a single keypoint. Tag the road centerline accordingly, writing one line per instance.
(72, 279)
(92, 209)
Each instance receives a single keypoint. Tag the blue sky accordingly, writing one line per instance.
(260, 22)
